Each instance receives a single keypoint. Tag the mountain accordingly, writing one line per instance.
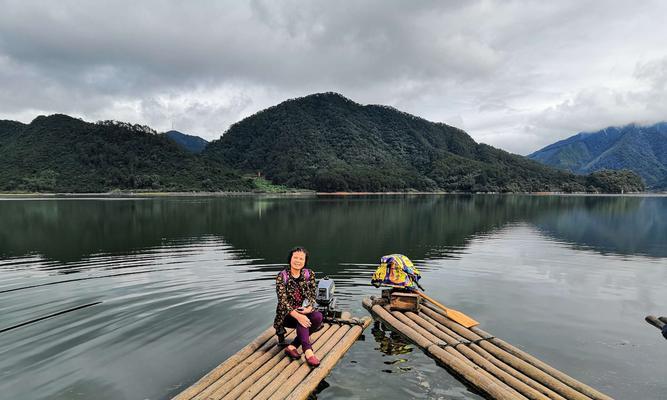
(193, 144)
(64, 154)
(9, 129)
(642, 149)
(323, 142)
(329, 143)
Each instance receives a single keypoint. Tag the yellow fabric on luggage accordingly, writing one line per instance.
(396, 270)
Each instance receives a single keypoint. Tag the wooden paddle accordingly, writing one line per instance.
(452, 314)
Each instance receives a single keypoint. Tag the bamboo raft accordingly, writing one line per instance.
(261, 370)
(492, 366)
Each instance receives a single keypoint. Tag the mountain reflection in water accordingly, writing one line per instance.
(422, 226)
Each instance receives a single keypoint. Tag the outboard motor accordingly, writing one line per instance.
(326, 304)
(326, 299)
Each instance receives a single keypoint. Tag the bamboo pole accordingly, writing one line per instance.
(244, 368)
(581, 387)
(453, 363)
(263, 363)
(462, 342)
(226, 366)
(515, 362)
(238, 368)
(523, 378)
(437, 340)
(657, 322)
(436, 314)
(517, 374)
(278, 362)
(443, 328)
(288, 382)
(287, 372)
(523, 356)
(285, 363)
(309, 384)
(478, 359)
(279, 380)
(263, 389)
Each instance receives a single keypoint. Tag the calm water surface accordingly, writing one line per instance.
(171, 287)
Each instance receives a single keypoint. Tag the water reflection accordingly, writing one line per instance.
(390, 343)
(616, 225)
(356, 229)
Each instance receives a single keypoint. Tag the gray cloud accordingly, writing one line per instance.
(594, 108)
(517, 75)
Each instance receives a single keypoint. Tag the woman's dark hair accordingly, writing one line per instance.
(294, 250)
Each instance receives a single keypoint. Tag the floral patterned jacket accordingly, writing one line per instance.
(288, 297)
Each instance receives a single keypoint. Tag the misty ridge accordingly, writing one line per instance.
(642, 149)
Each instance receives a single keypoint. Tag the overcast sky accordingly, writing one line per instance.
(514, 74)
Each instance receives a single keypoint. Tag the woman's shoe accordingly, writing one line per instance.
(313, 361)
(293, 354)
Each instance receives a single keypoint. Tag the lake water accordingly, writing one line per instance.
(170, 287)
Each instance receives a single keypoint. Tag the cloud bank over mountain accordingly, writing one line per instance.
(517, 75)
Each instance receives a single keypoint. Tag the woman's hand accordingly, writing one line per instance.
(303, 320)
(307, 310)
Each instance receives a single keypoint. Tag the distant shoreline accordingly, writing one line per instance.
(153, 194)
(300, 194)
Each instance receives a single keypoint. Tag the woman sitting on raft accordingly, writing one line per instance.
(295, 284)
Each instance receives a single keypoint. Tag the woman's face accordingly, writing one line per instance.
(298, 260)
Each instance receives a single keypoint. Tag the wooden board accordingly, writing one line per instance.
(404, 301)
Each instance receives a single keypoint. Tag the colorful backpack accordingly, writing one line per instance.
(285, 275)
(396, 270)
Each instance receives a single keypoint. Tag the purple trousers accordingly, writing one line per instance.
(302, 333)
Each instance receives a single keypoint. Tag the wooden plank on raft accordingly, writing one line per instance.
(261, 370)
(491, 365)
(404, 301)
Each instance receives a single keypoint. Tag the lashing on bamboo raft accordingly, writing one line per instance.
(491, 365)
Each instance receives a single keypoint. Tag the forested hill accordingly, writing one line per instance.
(642, 149)
(193, 144)
(59, 153)
(323, 142)
(327, 142)
(9, 129)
